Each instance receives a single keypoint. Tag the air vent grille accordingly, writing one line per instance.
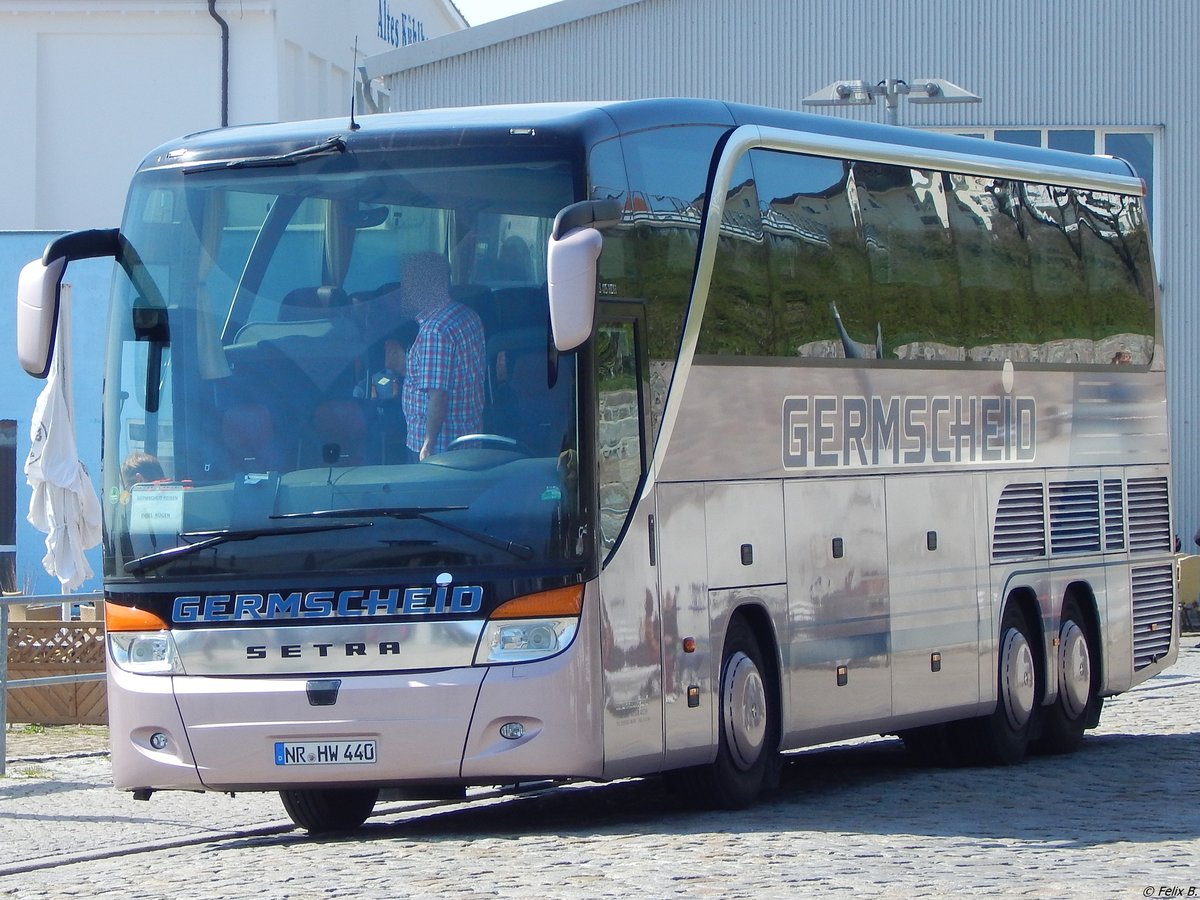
(1020, 530)
(1153, 613)
(1149, 515)
(1114, 515)
(1074, 517)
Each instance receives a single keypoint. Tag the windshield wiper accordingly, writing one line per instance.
(143, 564)
(330, 145)
(520, 551)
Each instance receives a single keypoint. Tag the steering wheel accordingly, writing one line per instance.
(488, 441)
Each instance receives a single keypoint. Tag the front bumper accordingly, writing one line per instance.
(430, 727)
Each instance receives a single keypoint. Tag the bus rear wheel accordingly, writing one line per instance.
(1002, 738)
(322, 810)
(748, 723)
(1064, 722)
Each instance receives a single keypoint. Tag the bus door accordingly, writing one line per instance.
(631, 624)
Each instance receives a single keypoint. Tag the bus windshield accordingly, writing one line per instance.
(270, 368)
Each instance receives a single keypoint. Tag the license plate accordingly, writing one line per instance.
(324, 753)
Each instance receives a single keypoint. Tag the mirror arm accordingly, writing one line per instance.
(83, 245)
(594, 213)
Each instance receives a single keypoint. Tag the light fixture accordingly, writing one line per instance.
(863, 93)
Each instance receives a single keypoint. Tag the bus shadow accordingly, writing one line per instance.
(1117, 787)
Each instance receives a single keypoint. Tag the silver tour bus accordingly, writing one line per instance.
(793, 429)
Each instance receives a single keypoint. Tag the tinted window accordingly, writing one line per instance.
(1116, 262)
(1063, 313)
(915, 311)
(739, 318)
(993, 267)
(652, 261)
(865, 260)
(814, 245)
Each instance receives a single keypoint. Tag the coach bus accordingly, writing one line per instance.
(795, 429)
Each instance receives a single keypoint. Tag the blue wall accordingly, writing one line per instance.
(90, 282)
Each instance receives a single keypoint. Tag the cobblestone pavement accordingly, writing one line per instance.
(1120, 818)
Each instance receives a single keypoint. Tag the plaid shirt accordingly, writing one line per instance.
(449, 355)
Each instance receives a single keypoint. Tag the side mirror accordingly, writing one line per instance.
(571, 257)
(38, 293)
(571, 282)
(37, 314)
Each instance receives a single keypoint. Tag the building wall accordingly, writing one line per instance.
(92, 85)
(1035, 63)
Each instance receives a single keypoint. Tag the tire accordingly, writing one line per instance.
(1002, 738)
(322, 810)
(748, 728)
(1063, 723)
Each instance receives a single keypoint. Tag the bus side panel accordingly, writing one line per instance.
(935, 600)
(1114, 600)
(631, 653)
(556, 700)
(683, 585)
(1143, 634)
(838, 606)
(1117, 631)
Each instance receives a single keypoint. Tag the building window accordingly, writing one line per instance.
(1072, 140)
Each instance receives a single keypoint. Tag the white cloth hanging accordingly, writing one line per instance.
(64, 502)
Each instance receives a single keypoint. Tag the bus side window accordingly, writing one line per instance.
(620, 420)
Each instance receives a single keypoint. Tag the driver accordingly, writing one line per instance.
(445, 370)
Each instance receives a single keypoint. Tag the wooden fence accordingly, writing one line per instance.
(41, 645)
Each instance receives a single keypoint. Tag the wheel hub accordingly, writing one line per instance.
(745, 710)
(1018, 681)
(1075, 670)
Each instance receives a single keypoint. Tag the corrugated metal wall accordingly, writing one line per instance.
(1036, 63)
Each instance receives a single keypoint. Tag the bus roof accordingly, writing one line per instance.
(584, 123)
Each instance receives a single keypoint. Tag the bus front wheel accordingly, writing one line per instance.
(321, 810)
(748, 727)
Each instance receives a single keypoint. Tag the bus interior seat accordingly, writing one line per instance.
(248, 435)
(525, 406)
(340, 431)
(477, 297)
(295, 364)
(313, 303)
(291, 366)
(520, 307)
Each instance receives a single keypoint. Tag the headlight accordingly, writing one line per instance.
(524, 640)
(145, 653)
(531, 627)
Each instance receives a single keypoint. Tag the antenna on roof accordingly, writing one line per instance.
(354, 126)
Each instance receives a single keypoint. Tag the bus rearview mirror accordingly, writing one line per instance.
(38, 293)
(38, 289)
(571, 282)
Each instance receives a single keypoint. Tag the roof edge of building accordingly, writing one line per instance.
(497, 31)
